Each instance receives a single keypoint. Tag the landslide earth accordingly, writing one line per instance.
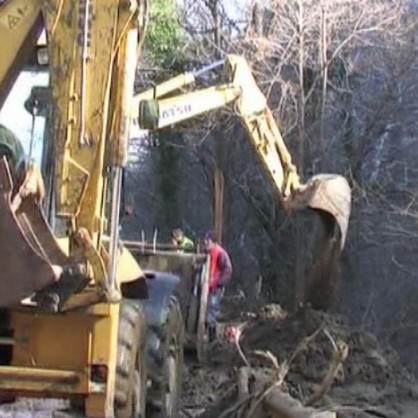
(371, 382)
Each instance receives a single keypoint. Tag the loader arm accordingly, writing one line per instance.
(93, 48)
(93, 52)
(329, 195)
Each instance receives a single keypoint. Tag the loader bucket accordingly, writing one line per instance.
(27, 246)
(330, 197)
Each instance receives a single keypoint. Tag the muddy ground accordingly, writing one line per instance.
(370, 383)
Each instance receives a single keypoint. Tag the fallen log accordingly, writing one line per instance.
(243, 377)
(282, 405)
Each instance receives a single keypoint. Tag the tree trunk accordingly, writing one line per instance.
(300, 250)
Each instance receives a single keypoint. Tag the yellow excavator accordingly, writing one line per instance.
(109, 320)
(328, 195)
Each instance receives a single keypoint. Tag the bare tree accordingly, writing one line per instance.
(344, 75)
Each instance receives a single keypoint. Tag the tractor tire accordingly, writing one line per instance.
(131, 370)
(5, 331)
(166, 387)
(192, 315)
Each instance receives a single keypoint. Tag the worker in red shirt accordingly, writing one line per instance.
(219, 277)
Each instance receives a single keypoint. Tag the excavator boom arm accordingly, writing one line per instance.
(250, 106)
(170, 111)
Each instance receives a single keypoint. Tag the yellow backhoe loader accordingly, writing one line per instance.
(79, 319)
(108, 319)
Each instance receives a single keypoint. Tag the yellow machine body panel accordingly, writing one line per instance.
(66, 351)
(52, 355)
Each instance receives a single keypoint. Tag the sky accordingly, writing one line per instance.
(234, 8)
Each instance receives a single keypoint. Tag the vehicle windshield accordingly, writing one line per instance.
(14, 116)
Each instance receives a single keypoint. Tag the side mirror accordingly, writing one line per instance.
(42, 58)
(38, 101)
(127, 199)
(129, 205)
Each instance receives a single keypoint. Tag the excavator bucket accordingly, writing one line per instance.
(27, 246)
(330, 197)
(328, 194)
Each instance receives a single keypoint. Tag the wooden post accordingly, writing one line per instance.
(201, 344)
(218, 202)
(282, 405)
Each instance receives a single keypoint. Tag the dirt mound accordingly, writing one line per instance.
(370, 376)
(370, 382)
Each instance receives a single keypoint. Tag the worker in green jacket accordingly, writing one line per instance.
(180, 241)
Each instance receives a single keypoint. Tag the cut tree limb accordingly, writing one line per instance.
(282, 405)
(340, 354)
(243, 376)
(201, 324)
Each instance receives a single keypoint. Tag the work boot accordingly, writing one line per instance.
(72, 280)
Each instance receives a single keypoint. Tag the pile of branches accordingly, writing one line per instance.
(260, 387)
(262, 390)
